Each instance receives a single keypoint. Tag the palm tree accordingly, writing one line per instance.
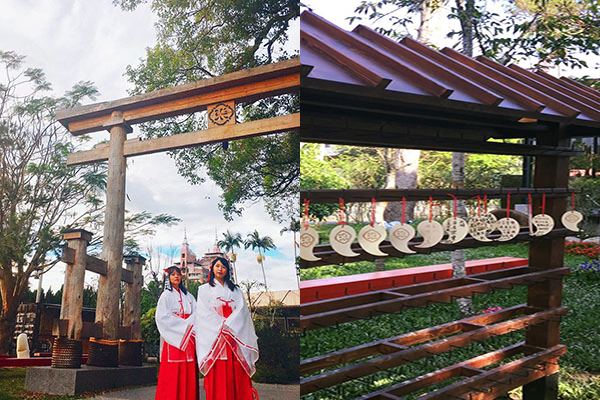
(262, 244)
(294, 227)
(230, 242)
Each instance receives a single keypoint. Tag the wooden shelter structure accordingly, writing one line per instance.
(361, 88)
(218, 97)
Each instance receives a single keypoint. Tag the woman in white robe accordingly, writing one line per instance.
(226, 343)
(177, 377)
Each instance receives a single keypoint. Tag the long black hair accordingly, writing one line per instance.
(168, 286)
(228, 280)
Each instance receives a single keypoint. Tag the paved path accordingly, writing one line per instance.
(265, 391)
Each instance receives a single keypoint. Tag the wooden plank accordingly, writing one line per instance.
(521, 368)
(330, 378)
(406, 70)
(401, 341)
(439, 376)
(332, 316)
(133, 297)
(554, 99)
(91, 329)
(435, 69)
(331, 196)
(344, 60)
(240, 86)
(212, 135)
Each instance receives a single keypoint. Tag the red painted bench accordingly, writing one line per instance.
(329, 288)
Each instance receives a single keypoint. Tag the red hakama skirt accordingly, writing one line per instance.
(227, 380)
(177, 380)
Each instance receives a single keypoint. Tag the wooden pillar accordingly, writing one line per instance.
(133, 296)
(107, 309)
(547, 254)
(72, 297)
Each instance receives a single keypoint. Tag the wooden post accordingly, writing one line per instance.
(133, 296)
(550, 172)
(107, 309)
(72, 297)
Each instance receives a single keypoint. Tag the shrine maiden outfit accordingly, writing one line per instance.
(177, 377)
(226, 343)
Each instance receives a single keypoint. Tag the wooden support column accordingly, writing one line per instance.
(133, 296)
(550, 172)
(107, 308)
(72, 297)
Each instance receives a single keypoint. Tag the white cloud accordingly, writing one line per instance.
(75, 40)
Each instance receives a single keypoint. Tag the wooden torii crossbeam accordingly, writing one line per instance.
(217, 96)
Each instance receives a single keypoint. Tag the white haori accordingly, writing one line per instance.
(213, 331)
(170, 310)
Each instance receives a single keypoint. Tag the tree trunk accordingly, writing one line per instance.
(10, 305)
(465, 305)
(263, 271)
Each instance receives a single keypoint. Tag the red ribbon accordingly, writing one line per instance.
(373, 206)
(485, 203)
(508, 205)
(342, 213)
(455, 203)
(306, 203)
(543, 207)
(529, 206)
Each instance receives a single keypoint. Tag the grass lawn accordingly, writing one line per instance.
(580, 330)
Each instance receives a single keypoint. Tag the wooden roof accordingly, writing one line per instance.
(365, 71)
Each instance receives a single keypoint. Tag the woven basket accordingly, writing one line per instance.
(130, 352)
(66, 353)
(103, 353)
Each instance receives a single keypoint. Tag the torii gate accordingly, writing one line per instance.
(218, 96)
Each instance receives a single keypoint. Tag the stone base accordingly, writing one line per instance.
(65, 381)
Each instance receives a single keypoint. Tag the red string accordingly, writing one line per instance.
(529, 206)
(306, 203)
(508, 205)
(342, 213)
(373, 206)
(573, 201)
(485, 203)
(403, 210)
(455, 203)
(430, 208)
(543, 207)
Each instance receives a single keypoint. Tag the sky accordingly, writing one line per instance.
(78, 40)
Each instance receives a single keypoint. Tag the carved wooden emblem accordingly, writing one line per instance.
(221, 114)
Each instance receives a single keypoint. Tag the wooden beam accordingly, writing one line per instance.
(353, 371)
(212, 135)
(331, 196)
(93, 264)
(241, 86)
(331, 312)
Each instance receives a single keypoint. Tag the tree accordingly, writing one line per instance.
(247, 287)
(202, 39)
(294, 227)
(261, 244)
(38, 192)
(230, 242)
